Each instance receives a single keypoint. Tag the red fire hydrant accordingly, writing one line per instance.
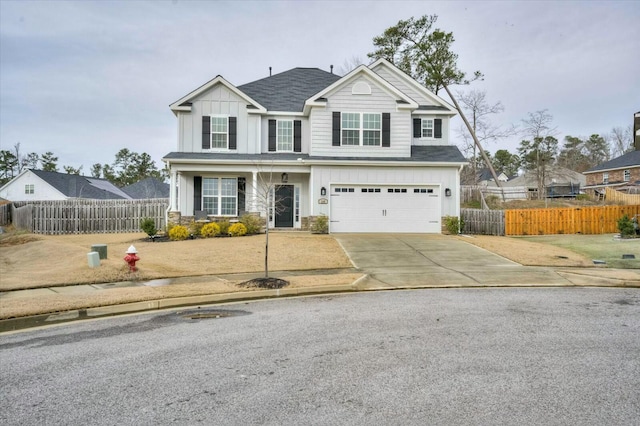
(131, 258)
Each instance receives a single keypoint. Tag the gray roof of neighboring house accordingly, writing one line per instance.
(555, 175)
(627, 160)
(76, 186)
(437, 153)
(147, 188)
(287, 91)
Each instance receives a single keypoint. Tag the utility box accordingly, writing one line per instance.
(101, 249)
(94, 259)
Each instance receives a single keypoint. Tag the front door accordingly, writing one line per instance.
(284, 206)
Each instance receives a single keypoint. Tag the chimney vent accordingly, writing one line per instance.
(331, 67)
(269, 71)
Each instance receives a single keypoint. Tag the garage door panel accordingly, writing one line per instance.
(393, 208)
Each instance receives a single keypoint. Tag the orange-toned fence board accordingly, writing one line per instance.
(573, 220)
(620, 197)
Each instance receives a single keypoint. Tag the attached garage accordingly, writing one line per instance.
(385, 208)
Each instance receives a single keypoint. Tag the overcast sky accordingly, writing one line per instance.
(84, 79)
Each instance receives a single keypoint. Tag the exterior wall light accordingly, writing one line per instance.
(447, 192)
(285, 178)
(323, 191)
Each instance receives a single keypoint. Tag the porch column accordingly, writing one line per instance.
(254, 193)
(173, 194)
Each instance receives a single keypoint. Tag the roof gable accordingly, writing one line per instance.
(440, 104)
(184, 103)
(403, 99)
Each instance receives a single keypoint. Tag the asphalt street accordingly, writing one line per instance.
(552, 356)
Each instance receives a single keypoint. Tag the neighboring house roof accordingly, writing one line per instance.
(287, 91)
(555, 175)
(630, 159)
(147, 188)
(435, 153)
(76, 186)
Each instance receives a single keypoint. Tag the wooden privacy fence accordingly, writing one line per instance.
(5, 214)
(611, 195)
(486, 222)
(88, 216)
(574, 220)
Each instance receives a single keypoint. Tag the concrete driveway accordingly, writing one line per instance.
(415, 260)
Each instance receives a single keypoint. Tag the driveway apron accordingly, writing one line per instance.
(415, 260)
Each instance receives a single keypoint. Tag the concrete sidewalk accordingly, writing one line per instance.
(386, 262)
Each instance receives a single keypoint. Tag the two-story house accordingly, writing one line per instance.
(370, 150)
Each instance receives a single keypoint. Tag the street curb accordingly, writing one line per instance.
(360, 285)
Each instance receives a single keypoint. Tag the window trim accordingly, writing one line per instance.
(278, 134)
(423, 121)
(29, 188)
(605, 178)
(626, 175)
(219, 196)
(361, 128)
(211, 132)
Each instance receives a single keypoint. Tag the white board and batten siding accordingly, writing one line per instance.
(342, 100)
(217, 100)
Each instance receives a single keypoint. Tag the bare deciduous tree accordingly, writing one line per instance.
(621, 140)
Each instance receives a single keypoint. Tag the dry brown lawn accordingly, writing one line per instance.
(28, 261)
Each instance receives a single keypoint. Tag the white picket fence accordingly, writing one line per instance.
(87, 216)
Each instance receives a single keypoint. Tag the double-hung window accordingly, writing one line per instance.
(627, 175)
(427, 128)
(284, 135)
(605, 178)
(219, 132)
(29, 188)
(361, 128)
(220, 196)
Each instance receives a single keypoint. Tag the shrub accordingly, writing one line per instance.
(582, 197)
(253, 223)
(178, 233)
(626, 227)
(320, 225)
(196, 227)
(453, 224)
(224, 227)
(148, 226)
(237, 230)
(210, 230)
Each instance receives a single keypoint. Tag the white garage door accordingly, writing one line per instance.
(385, 208)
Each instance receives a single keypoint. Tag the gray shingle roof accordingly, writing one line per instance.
(627, 160)
(147, 188)
(438, 153)
(289, 90)
(76, 186)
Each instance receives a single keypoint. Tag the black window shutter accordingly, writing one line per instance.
(335, 136)
(417, 128)
(297, 136)
(386, 129)
(437, 128)
(233, 133)
(197, 193)
(242, 184)
(272, 135)
(206, 132)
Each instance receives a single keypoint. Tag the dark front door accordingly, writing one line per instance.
(284, 206)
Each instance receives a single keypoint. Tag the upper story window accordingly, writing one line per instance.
(605, 178)
(285, 135)
(218, 132)
(361, 128)
(427, 128)
(220, 196)
(627, 175)
(29, 188)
